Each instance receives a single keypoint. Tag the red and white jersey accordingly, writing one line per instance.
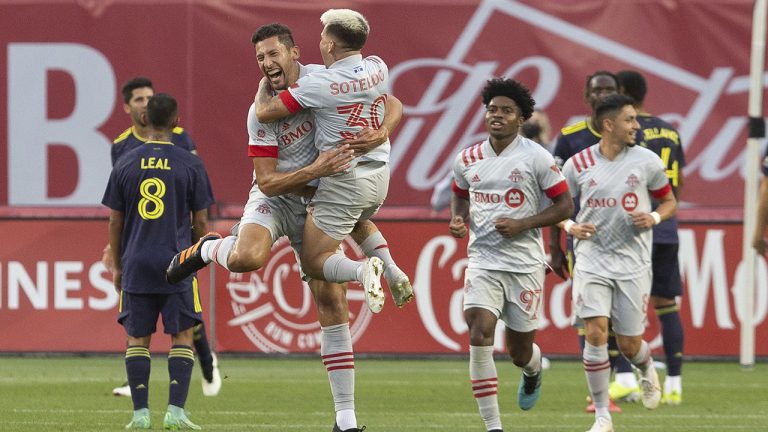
(509, 185)
(608, 191)
(291, 139)
(345, 98)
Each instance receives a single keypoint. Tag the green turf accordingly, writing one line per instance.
(74, 394)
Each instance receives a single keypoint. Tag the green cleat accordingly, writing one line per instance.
(528, 391)
(176, 419)
(140, 420)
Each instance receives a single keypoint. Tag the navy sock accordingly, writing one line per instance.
(672, 333)
(203, 352)
(137, 366)
(181, 360)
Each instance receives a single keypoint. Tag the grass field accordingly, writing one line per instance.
(271, 394)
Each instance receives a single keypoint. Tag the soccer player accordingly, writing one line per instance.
(499, 185)
(159, 194)
(347, 96)
(614, 181)
(285, 159)
(758, 237)
(136, 93)
(573, 139)
(662, 138)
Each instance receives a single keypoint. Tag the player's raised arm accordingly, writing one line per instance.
(270, 108)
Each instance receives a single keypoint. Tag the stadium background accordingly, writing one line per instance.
(65, 62)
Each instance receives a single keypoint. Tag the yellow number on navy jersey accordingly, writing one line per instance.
(152, 191)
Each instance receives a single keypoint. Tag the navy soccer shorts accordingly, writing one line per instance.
(666, 271)
(139, 312)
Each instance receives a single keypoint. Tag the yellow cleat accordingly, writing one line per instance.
(672, 398)
(619, 393)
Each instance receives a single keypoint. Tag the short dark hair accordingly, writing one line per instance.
(588, 84)
(513, 90)
(350, 39)
(132, 84)
(267, 31)
(161, 111)
(633, 84)
(609, 106)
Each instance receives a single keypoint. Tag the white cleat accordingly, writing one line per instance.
(399, 285)
(374, 294)
(602, 424)
(212, 388)
(649, 383)
(122, 391)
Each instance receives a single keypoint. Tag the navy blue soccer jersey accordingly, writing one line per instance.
(156, 187)
(573, 139)
(663, 139)
(128, 140)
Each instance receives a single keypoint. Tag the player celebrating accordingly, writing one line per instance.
(612, 272)
(285, 159)
(499, 184)
(158, 194)
(347, 96)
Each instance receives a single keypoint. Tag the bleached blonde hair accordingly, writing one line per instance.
(348, 26)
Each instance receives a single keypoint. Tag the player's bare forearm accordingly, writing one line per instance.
(393, 113)
(269, 108)
(199, 224)
(561, 208)
(273, 183)
(667, 206)
(459, 216)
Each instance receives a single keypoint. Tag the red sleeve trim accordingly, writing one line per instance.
(290, 102)
(463, 193)
(557, 189)
(262, 151)
(660, 193)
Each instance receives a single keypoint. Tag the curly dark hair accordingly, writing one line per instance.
(513, 90)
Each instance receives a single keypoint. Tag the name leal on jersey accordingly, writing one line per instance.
(155, 163)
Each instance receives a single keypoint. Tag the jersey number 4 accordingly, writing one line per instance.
(355, 118)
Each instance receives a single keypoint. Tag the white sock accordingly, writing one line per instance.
(598, 371)
(339, 361)
(376, 246)
(339, 268)
(626, 379)
(482, 373)
(673, 383)
(218, 250)
(642, 360)
(534, 365)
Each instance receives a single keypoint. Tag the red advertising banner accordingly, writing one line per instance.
(55, 295)
(65, 62)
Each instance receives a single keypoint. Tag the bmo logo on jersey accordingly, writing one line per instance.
(289, 137)
(629, 201)
(514, 198)
(274, 308)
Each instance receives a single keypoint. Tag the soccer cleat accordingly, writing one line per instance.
(213, 387)
(188, 261)
(612, 407)
(672, 398)
(399, 285)
(374, 294)
(123, 390)
(140, 420)
(649, 382)
(602, 424)
(178, 422)
(619, 393)
(528, 391)
(336, 429)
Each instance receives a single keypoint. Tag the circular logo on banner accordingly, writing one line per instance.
(514, 198)
(629, 201)
(275, 310)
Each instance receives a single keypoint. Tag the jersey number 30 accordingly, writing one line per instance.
(355, 119)
(151, 204)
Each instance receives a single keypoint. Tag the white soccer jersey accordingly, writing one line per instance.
(608, 191)
(290, 139)
(345, 98)
(509, 185)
